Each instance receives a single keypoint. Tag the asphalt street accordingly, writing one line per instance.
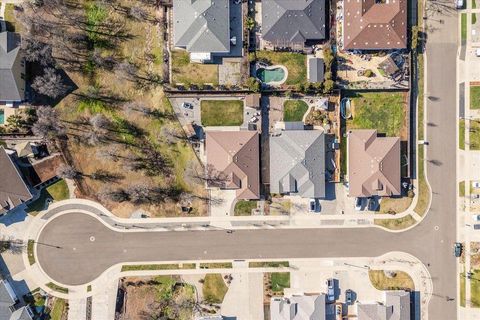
(76, 248)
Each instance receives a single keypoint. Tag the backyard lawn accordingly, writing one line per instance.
(382, 111)
(244, 207)
(296, 64)
(293, 110)
(214, 288)
(381, 281)
(221, 112)
(192, 73)
(56, 192)
(475, 289)
(280, 281)
(475, 135)
(475, 97)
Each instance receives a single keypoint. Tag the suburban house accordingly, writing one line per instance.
(298, 307)
(235, 156)
(297, 163)
(293, 24)
(396, 307)
(373, 164)
(207, 28)
(13, 190)
(12, 73)
(374, 24)
(9, 302)
(315, 70)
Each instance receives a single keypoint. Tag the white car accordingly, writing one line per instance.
(477, 52)
(476, 217)
(187, 105)
(476, 184)
(459, 4)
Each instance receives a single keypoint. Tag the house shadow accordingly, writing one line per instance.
(17, 215)
(415, 309)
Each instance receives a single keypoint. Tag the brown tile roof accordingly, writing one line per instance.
(13, 190)
(369, 24)
(373, 164)
(236, 154)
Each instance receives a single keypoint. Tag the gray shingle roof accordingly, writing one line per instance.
(202, 25)
(316, 69)
(13, 190)
(297, 163)
(298, 308)
(287, 22)
(397, 307)
(10, 87)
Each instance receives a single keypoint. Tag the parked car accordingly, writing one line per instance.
(476, 226)
(187, 105)
(477, 52)
(331, 289)
(372, 204)
(476, 217)
(459, 4)
(457, 249)
(358, 204)
(476, 184)
(312, 207)
(349, 297)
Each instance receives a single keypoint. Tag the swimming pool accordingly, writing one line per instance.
(2, 117)
(271, 75)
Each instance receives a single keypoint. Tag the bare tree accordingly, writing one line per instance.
(115, 195)
(100, 122)
(126, 70)
(137, 106)
(139, 193)
(50, 84)
(36, 51)
(211, 176)
(106, 62)
(105, 176)
(110, 154)
(138, 13)
(11, 245)
(67, 172)
(48, 125)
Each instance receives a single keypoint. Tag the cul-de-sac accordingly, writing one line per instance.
(239, 159)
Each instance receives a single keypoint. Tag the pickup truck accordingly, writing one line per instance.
(331, 289)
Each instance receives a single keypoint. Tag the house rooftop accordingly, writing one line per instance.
(297, 163)
(316, 69)
(298, 307)
(286, 22)
(236, 154)
(373, 164)
(374, 24)
(13, 190)
(396, 307)
(11, 87)
(202, 26)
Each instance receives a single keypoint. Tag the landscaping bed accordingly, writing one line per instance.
(59, 309)
(221, 112)
(294, 110)
(397, 280)
(187, 73)
(172, 266)
(296, 64)
(396, 224)
(474, 97)
(474, 134)
(214, 288)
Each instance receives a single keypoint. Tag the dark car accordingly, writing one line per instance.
(372, 204)
(349, 296)
(457, 249)
(331, 289)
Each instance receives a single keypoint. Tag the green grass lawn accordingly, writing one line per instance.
(192, 73)
(381, 111)
(244, 207)
(461, 188)
(461, 134)
(400, 281)
(216, 265)
(58, 288)
(214, 288)
(280, 281)
(221, 112)
(293, 110)
(462, 289)
(474, 97)
(474, 134)
(296, 64)
(58, 309)
(56, 191)
(464, 26)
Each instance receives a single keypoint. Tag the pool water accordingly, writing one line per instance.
(2, 117)
(270, 75)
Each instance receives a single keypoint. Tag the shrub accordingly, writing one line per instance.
(368, 73)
